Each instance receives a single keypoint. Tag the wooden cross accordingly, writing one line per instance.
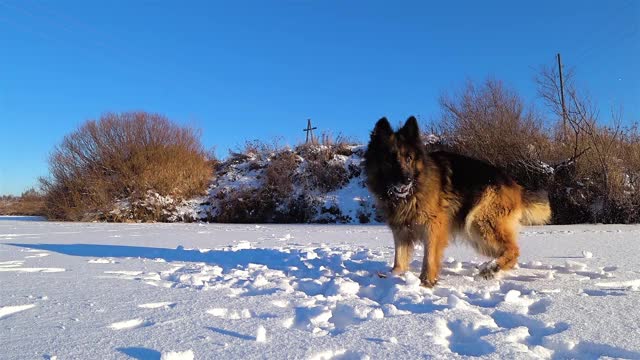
(309, 131)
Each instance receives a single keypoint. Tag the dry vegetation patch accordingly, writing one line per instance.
(124, 157)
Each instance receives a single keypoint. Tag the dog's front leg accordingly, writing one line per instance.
(434, 240)
(403, 242)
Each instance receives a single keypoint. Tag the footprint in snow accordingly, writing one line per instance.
(465, 338)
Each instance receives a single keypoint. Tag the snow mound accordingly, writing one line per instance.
(341, 197)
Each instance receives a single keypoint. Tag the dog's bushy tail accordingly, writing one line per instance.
(536, 209)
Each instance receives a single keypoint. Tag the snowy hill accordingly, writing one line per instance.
(308, 184)
(205, 291)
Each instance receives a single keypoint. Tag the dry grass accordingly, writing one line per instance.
(30, 203)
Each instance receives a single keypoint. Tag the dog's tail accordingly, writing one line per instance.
(536, 209)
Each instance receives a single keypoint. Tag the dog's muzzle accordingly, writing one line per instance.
(401, 191)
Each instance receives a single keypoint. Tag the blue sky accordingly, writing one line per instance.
(243, 70)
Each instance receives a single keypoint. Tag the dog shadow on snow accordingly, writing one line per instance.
(292, 261)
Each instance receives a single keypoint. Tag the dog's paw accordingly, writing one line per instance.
(488, 270)
(428, 284)
(396, 271)
(487, 274)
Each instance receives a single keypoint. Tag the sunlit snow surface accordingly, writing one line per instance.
(193, 291)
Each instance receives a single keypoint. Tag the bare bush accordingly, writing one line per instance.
(123, 156)
(323, 169)
(244, 205)
(29, 203)
(590, 170)
(325, 176)
(491, 122)
(280, 173)
(596, 177)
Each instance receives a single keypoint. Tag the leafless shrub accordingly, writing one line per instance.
(123, 156)
(591, 171)
(491, 122)
(326, 176)
(264, 206)
(244, 205)
(29, 203)
(596, 176)
(322, 168)
(280, 173)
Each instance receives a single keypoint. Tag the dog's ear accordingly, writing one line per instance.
(411, 130)
(382, 130)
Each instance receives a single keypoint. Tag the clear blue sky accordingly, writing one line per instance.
(258, 69)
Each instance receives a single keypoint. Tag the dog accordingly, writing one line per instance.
(428, 197)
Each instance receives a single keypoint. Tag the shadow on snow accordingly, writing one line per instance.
(291, 261)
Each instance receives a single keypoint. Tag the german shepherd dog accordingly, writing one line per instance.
(427, 197)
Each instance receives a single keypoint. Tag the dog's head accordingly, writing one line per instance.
(393, 160)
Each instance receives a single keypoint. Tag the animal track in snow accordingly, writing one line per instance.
(328, 290)
(466, 338)
(536, 328)
(539, 306)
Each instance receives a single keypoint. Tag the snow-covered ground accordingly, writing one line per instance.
(181, 291)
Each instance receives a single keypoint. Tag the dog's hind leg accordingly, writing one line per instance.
(505, 236)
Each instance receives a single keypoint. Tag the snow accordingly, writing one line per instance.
(177, 355)
(261, 334)
(8, 310)
(127, 324)
(199, 291)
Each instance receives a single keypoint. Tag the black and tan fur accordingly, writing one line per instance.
(428, 197)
